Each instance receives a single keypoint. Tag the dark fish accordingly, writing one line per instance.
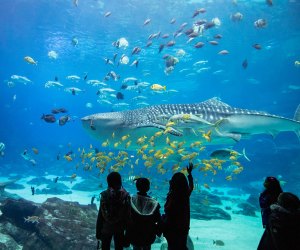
(218, 36)
(63, 120)
(193, 35)
(73, 92)
(196, 13)
(115, 56)
(171, 61)
(226, 153)
(120, 96)
(189, 31)
(269, 2)
(58, 157)
(55, 179)
(221, 154)
(116, 44)
(106, 78)
(200, 22)
(218, 243)
(56, 78)
(245, 64)
(69, 153)
(85, 77)
(55, 111)
(124, 86)
(63, 110)
(161, 47)
(32, 190)
(171, 43)
(48, 118)
(257, 46)
(209, 25)
(136, 50)
(59, 110)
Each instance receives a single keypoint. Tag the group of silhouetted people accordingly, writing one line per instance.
(280, 213)
(137, 220)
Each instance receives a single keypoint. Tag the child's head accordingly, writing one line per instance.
(114, 180)
(142, 185)
(289, 201)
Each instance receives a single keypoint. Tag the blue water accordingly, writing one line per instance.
(33, 28)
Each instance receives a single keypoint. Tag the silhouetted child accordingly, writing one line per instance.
(177, 210)
(284, 224)
(268, 197)
(113, 213)
(145, 220)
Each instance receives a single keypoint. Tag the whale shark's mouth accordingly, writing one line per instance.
(104, 120)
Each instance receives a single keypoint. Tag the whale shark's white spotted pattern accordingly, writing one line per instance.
(224, 121)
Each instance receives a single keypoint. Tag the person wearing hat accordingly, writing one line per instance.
(145, 218)
(283, 224)
(113, 213)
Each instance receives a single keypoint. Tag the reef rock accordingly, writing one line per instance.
(8, 243)
(3, 194)
(209, 213)
(246, 209)
(54, 189)
(87, 185)
(203, 207)
(54, 224)
(39, 181)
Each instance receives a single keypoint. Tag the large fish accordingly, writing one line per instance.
(188, 123)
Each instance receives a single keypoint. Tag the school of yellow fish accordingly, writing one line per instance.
(173, 157)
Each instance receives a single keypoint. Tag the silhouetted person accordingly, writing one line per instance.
(268, 197)
(145, 221)
(113, 213)
(177, 210)
(284, 224)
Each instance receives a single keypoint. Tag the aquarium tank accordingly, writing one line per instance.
(144, 88)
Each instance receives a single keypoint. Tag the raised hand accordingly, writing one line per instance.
(189, 168)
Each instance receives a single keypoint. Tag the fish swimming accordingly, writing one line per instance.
(227, 124)
(226, 153)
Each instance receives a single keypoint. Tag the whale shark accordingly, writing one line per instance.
(188, 122)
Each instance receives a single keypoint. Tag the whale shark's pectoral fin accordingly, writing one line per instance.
(235, 136)
(169, 130)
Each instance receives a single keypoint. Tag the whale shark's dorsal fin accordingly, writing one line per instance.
(215, 101)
